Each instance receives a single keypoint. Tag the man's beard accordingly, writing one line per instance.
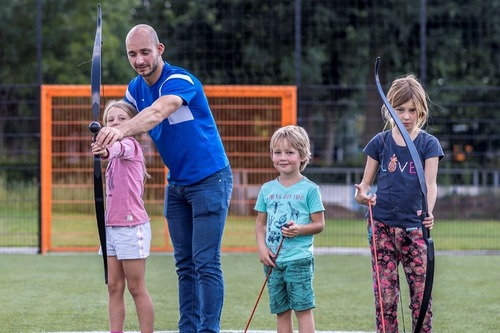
(153, 69)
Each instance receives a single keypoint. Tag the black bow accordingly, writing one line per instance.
(429, 276)
(95, 127)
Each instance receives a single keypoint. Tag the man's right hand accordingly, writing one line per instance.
(108, 135)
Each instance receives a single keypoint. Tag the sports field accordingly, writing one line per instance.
(66, 293)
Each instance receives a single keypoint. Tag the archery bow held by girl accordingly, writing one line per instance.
(395, 233)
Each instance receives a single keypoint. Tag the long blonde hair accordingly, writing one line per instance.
(403, 89)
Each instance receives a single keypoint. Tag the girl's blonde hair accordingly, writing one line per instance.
(297, 138)
(121, 104)
(131, 111)
(403, 89)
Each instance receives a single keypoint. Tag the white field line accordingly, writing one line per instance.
(223, 331)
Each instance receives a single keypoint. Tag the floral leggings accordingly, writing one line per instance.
(394, 246)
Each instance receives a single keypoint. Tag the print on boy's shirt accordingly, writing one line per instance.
(286, 196)
(283, 211)
(274, 234)
(394, 164)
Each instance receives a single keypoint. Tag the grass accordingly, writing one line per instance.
(19, 226)
(72, 230)
(66, 292)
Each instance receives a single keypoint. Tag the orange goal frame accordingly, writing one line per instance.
(252, 114)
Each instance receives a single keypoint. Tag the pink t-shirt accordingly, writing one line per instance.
(125, 184)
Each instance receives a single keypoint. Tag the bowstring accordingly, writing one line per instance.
(377, 270)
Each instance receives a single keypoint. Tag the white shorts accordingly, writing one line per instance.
(128, 242)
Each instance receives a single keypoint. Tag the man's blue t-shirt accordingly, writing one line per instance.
(398, 189)
(188, 140)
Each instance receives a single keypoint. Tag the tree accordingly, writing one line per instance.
(253, 42)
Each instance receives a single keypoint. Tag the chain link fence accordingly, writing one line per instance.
(327, 49)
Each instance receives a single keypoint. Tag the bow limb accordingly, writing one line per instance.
(429, 276)
(94, 127)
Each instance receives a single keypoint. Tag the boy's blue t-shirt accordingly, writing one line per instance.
(188, 141)
(398, 189)
(283, 204)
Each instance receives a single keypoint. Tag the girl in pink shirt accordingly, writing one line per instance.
(128, 231)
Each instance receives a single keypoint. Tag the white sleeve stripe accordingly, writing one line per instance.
(180, 76)
(131, 99)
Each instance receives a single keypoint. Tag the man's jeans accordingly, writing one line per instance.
(196, 215)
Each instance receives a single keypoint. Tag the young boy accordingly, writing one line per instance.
(289, 212)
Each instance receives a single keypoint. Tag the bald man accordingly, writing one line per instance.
(173, 108)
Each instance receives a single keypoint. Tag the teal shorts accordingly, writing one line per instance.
(290, 286)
